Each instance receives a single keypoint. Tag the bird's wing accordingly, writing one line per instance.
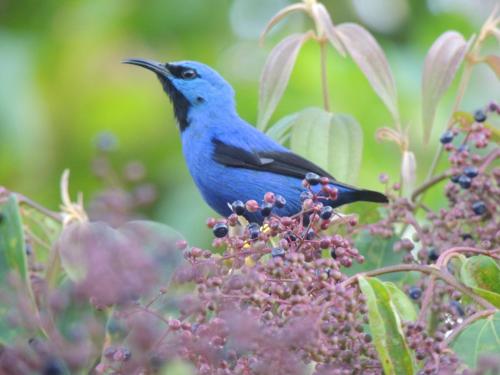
(281, 162)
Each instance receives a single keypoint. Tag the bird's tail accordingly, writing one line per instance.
(369, 196)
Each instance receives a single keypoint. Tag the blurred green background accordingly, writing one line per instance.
(62, 85)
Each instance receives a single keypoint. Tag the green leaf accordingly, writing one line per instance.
(378, 252)
(404, 306)
(333, 141)
(13, 263)
(12, 244)
(280, 131)
(276, 73)
(385, 327)
(481, 338)
(482, 274)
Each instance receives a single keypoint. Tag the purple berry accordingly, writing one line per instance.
(433, 255)
(305, 195)
(464, 181)
(277, 252)
(479, 208)
(253, 230)
(326, 213)
(238, 207)
(479, 116)
(220, 230)
(471, 172)
(312, 178)
(280, 201)
(415, 292)
(266, 209)
(447, 137)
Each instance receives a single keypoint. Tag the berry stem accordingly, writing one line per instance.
(445, 257)
(466, 322)
(488, 159)
(45, 211)
(429, 270)
(428, 184)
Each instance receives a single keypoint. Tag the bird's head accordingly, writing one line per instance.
(191, 86)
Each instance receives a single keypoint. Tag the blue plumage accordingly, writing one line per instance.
(228, 158)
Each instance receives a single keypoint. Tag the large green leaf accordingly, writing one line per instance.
(481, 338)
(404, 306)
(385, 327)
(482, 274)
(280, 131)
(378, 252)
(13, 266)
(12, 244)
(333, 141)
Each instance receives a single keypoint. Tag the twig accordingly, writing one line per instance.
(428, 184)
(429, 270)
(27, 201)
(448, 254)
(494, 154)
(469, 320)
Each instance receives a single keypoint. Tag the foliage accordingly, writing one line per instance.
(301, 294)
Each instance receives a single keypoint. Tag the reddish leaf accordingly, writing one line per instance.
(493, 62)
(279, 16)
(323, 19)
(276, 74)
(367, 54)
(441, 64)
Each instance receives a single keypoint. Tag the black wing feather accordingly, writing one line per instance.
(280, 162)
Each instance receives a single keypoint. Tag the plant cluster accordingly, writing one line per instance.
(407, 288)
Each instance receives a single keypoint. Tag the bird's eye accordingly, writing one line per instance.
(188, 74)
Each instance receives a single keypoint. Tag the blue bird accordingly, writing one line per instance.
(228, 158)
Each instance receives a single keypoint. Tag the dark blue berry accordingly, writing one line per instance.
(333, 254)
(266, 209)
(479, 208)
(305, 195)
(415, 292)
(464, 181)
(280, 201)
(238, 207)
(458, 308)
(479, 116)
(277, 252)
(466, 236)
(28, 249)
(220, 230)
(291, 236)
(447, 137)
(310, 234)
(306, 220)
(455, 178)
(471, 172)
(254, 230)
(53, 367)
(326, 213)
(126, 354)
(433, 255)
(312, 178)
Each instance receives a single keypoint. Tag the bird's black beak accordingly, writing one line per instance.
(158, 68)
